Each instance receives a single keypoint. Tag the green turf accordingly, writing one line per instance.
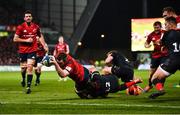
(54, 97)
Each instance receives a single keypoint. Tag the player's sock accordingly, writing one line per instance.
(23, 73)
(37, 77)
(29, 80)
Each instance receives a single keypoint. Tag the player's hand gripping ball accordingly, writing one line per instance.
(47, 60)
(134, 90)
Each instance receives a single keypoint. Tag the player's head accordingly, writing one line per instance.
(61, 39)
(157, 26)
(61, 58)
(170, 23)
(28, 16)
(168, 12)
(109, 57)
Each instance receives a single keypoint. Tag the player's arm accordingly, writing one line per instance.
(61, 72)
(54, 52)
(67, 49)
(147, 45)
(42, 41)
(148, 41)
(18, 39)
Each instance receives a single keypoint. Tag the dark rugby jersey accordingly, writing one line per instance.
(171, 40)
(120, 61)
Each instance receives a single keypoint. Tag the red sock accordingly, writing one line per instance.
(128, 84)
(159, 86)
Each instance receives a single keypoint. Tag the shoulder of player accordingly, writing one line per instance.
(151, 34)
(21, 25)
(36, 25)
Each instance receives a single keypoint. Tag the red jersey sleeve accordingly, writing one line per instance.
(19, 30)
(149, 38)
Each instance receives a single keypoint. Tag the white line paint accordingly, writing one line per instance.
(94, 104)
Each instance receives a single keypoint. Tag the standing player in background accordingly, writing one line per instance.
(168, 12)
(61, 47)
(41, 52)
(171, 40)
(26, 35)
(159, 53)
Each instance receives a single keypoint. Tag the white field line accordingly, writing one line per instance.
(94, 104)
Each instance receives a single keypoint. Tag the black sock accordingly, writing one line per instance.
(37, 76)
(23, 73)
(29, 80)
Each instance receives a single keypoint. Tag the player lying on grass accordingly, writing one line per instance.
(102, 85)
(85, 82)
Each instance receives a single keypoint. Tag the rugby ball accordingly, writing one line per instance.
(46, 60)
(134, 90)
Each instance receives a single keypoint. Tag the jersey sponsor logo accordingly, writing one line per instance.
(33, 57)
(25, 31)
(34, 30)
(126, 60)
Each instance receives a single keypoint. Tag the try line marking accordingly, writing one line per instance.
(94, 104)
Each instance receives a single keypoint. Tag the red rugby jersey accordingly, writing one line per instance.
(75, 69)
(24, 31)
(40, 50)
(61, 48)
(155, 38)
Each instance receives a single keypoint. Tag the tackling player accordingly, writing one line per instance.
(172, 63)
(159, 54)
(120, 66)
(102, 85)
(26, 35)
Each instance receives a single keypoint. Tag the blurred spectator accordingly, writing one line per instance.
(8, 55)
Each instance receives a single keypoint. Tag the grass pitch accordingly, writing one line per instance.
(54, 97)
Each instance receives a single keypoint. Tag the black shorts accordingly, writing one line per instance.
(38, 60)
(125, 73)
(102, 85)
(171, 64)
(155, 62)
(24, 56)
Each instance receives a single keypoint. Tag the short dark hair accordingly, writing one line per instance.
(171, 20)
(28, 12)
(156, 23)
(112, 52)
(62, 56)
(168, 9)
